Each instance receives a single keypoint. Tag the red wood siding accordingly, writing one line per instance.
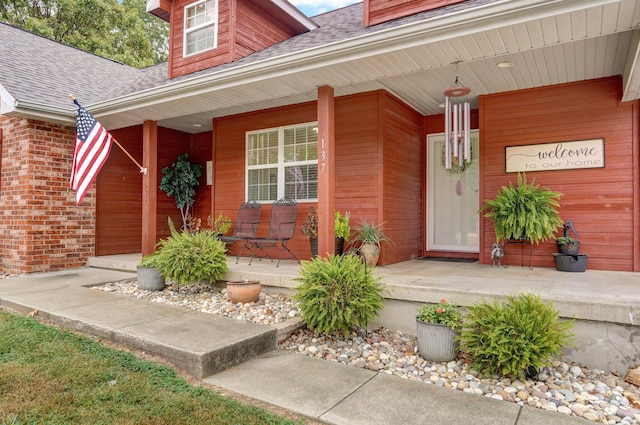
(243, 28)
(119, 197)
(402, 172)
(229, 176)
(119, 191)
(254, 30)
(378, 11)
(368, 126)
(178, 64)
(200, 154)
(600, 201)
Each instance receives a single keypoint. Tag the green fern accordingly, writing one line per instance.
(524, 210)
(507, 338)
(337, 294)
(187, 257)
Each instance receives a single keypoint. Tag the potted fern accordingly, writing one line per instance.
(525, 211)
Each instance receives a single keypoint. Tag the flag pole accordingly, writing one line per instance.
(143, 170)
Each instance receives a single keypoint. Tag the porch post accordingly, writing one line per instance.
(149, 185)
(326, 170)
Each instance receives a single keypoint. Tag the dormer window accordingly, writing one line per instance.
(200, 27)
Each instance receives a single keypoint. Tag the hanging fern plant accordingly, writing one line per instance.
(524, 211)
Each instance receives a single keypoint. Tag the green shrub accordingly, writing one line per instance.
(150, 260)
(337, 294)
(187, 258)
(507, 338)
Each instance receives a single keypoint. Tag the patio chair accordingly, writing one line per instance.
(246, 226)
(282, 227)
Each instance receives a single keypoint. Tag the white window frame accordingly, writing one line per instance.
(213, 22)
(281, 165)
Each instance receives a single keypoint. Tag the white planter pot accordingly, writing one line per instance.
(436, 342)
(149, 279)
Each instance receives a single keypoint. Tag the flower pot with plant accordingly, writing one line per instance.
(220, 225)
(342, 230)
(436, 331)
(370, 236)
(525, 211)
(310, 230)
(149, 278)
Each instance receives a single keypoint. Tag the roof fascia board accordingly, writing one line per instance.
(7, 102)
(485, 17)
(629, 74)
(294, 13)
(42, 111)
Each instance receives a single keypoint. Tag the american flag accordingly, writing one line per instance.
(93, 144)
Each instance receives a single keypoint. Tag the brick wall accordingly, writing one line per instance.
(41, 227)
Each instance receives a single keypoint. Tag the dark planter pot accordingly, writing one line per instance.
(339, 246)
(570, 263)
(570, 248)
(313, 243)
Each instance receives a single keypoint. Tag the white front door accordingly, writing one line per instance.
(453, 200)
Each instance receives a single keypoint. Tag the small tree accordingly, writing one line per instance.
(179, 181)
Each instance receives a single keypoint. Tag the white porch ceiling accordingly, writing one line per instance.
(549, 43)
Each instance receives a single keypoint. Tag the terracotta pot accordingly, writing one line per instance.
(371, 253)
(244, 291)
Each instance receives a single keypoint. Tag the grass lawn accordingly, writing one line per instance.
(52, 376)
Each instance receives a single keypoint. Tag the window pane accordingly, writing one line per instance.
(263, 184)
(298, 182)
(201, 39)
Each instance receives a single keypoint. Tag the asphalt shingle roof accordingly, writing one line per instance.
(40, 70)
(36, 69)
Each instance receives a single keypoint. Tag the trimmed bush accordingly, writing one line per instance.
(507, 338)
(337, 294)
(191, 257)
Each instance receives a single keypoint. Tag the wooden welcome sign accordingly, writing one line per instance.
(555, 156)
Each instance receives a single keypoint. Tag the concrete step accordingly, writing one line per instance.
(201, 344)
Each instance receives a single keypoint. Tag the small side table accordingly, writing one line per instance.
(522, 243)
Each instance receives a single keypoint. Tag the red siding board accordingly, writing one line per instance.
(600, 200)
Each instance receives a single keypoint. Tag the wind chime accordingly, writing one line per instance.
(457, 126)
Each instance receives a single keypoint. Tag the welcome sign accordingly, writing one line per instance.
(555, 156)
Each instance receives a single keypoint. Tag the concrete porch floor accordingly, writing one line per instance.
(605, 304)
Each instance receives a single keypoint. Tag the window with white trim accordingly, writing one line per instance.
(283, 162)
(200, 27)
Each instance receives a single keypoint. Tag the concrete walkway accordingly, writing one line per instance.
(241, 357)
